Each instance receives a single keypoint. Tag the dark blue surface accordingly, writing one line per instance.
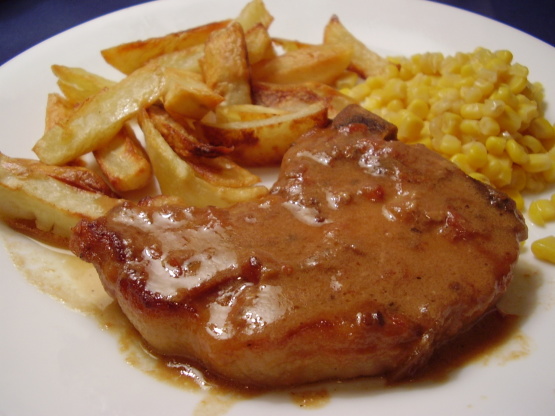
(24, 23)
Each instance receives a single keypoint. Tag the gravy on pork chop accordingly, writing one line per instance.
(365, 257)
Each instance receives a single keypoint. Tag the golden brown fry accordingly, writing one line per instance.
(293, 97)
(253, 13)
(46, 206)
(99, 119)
(186, 95)
(319, 63)
(177, 178)
(225, 64)
(124, 162)
(183, 136)
(364, 61)
(205, 159)
(264, 141)
(130, 56)
(78, 84)
(58, 110)
(259, 44)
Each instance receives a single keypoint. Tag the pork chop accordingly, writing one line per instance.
(366, 256)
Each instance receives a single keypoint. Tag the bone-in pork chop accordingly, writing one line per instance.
(365, 257)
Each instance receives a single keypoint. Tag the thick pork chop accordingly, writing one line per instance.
(365, 257)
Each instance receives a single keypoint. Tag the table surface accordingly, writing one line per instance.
(24, 23)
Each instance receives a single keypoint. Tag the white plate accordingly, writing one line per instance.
(55, 361)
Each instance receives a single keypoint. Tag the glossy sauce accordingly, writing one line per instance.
(76, 284)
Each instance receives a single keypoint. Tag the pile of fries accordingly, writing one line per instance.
(194, 110)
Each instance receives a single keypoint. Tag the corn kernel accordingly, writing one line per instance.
(542, 129)
(518, 70)
(449, 145)
(419, 108)
(461, 160)
(496, 145)
(530, 142)
(489, 126)
(510, 120)
(471, 94)
(470, 127)
(541, 211)
(493, 108)
(544, 249)
(538, 162)
(477, 154)
(516, 152)
(480, 177)
(519, 178)
(409, 126)
(498, 170)
(517, 84)
(504, 55)
(534, 183)
(472, 111)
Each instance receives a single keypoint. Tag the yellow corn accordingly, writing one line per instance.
(478, 109)
(542, 129)
(516, 152)
(541, 211)
(544, 248)
(538, 162)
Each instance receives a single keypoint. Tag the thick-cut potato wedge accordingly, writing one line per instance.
(225, 64)
(318, 63)
(186, 95)
(58, 110)
(252, 14)
(259, 44)
(78, 84)
(45, 207)
(293, 97)
(99, 119)
(263, 142)
(130, 56)
(205, 159)
(364, 61)
(177, 178)
(124, 162)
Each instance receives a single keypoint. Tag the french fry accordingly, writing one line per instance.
(124, 162)
(259, 44)
(130, 56)
(225, 64)
(264, 141)
(254, 13)
(319, 63)
(293, 97)
(99, 119)
(186, 95)
(78, 84)
(177, 178)
(209, 162)
(58, 110)
(46, 207)
(364, 61)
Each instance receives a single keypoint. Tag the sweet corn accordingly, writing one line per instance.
(541, 211)
(478, 109)
(516, 152)
(544, 248)
(538, 162)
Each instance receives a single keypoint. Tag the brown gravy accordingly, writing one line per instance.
(75, 283)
